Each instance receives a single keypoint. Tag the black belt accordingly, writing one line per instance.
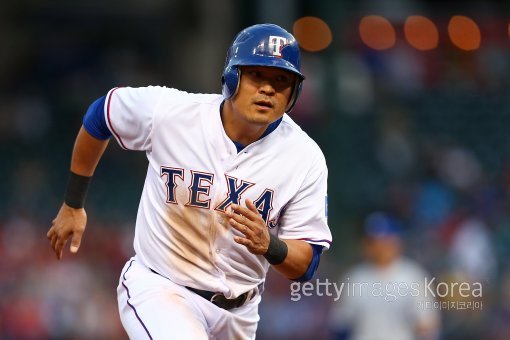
(219, 299)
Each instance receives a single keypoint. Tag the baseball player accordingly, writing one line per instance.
(386, 295)
(233, 187)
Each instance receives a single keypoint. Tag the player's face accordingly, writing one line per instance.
(382, 251)
(263, 94)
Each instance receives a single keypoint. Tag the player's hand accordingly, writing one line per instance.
(250, 223)
(69, 222)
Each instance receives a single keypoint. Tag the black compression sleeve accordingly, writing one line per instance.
(76, 191)
(276, 251)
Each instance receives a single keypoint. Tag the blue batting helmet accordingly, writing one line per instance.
(262, 45)
(381, 225)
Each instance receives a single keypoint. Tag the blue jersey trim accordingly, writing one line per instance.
(271, 127)
(94, 121)
(239, 146)
(314, 264)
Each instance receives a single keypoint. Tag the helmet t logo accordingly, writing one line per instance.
(276, 44)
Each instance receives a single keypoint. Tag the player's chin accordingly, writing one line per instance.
(260, 120)
(264, 116)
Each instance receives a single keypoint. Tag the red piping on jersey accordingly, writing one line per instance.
(312, 240)
(110, 121)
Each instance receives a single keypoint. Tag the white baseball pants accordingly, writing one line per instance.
(153, 307)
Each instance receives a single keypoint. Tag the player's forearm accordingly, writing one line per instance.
(86, 153)
(298, 259)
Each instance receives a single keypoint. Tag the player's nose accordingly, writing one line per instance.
(266, 87)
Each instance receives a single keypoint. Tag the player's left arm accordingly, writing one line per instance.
(301, 262)
(295, 259)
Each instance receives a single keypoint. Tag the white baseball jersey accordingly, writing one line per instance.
(195, 173)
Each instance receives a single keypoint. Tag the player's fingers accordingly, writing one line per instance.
(58, 249)
(59, 246)
(54, 244)
(237, 225)
(75, 241)
(253, 209)
(51, 231)
(251, 206)
(257, 216)
(245, 211)
(49, 234)
(242, 220)
(251, 212)
(240, 227)
(54, 239)
(244, 241)
(238, 217)
(226, 213)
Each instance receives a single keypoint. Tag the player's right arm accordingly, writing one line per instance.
(71, 222)
(125, 113)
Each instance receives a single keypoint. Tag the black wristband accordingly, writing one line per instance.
(276, 251)
(76, 191)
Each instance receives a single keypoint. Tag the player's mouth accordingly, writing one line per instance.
(264, 105)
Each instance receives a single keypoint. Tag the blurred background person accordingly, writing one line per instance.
(384, 296)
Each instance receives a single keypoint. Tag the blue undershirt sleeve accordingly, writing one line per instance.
(94, 121)
(314, 264)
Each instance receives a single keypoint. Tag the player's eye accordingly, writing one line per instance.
(252, 73)
(282, 79)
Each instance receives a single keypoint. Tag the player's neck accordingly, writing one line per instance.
(237, 129)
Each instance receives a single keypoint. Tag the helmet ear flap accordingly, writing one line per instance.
(296, 90)
(230, 81)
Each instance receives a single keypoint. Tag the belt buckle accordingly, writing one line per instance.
(214, 299)
(221, 301)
